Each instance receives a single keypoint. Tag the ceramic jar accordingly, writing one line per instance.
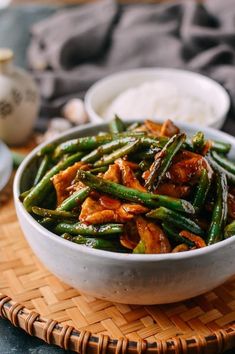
(19, 101)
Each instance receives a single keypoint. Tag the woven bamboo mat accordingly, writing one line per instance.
(26, 281)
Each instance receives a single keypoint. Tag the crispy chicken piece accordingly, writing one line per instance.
(64, 179)
(109, 203)
(153, 128)
(107, 215)
(128, 176)
(106, 209)
(184, 171)
(169, 129)
(134, 208)
(173, 190)
(153, 237)
(145, 174)
(180, 248)
(184, 155)
(113, 174)
(89, 206)
(199, 242)
(206, 147)
(130, 237)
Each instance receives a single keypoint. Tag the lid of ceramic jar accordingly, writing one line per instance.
(6, 56)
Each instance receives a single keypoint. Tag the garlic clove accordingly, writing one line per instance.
(74, 111)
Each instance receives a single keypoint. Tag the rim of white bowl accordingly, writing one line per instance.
(92, 90)
(109, 254)
(6, 165)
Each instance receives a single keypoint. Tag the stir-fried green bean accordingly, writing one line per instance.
(106, 149)
(198, 141)
(37, 194)
(44, 165)
(89, 143)
(74, 199)
(229, 230)
(116, 125)
(133, 195)
(135, 187)
(96, 243)
(123, 151)
(202, 190)
(88, 230)
(220, 146)
(163, 161)
(53, 214)
(218, 168)
(173, 218)
(219, 215)
(224, 162)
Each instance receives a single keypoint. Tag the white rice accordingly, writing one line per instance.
(160, 99)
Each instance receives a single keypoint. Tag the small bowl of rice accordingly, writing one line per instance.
(158, 93)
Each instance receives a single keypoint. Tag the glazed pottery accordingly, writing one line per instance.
(19, 101)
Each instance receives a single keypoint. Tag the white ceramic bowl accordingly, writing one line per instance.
(102, 93)
(5, 165)
(126, 278)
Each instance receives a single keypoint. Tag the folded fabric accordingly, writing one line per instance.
(77, 46)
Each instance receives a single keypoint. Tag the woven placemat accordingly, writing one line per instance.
(35, 300)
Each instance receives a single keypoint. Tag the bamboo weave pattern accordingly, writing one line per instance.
(30, 285)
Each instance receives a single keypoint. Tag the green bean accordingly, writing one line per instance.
(133, 126)
(47, 149)
(159, 142)
(17, 158)
(123, 151)
(147, 154)
(38, 193)
(42, 169)
(216, 167)
(96, 243)
(133, 195)
(224, 162)
(88, 230)
(99, 169)
(68, 204)
(173, 218)
(219, 146)
(89, 143)
(175, 237)
(24, 194)
(163, 162)
(53, 214)
(229, 230)
(219, 214)
(116, 125)
(202, 190)
(198, 142)
(106, 149)
(74, 200)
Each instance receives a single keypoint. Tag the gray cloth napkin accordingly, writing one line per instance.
(73, 48)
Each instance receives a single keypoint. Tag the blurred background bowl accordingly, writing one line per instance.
(103, 92)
